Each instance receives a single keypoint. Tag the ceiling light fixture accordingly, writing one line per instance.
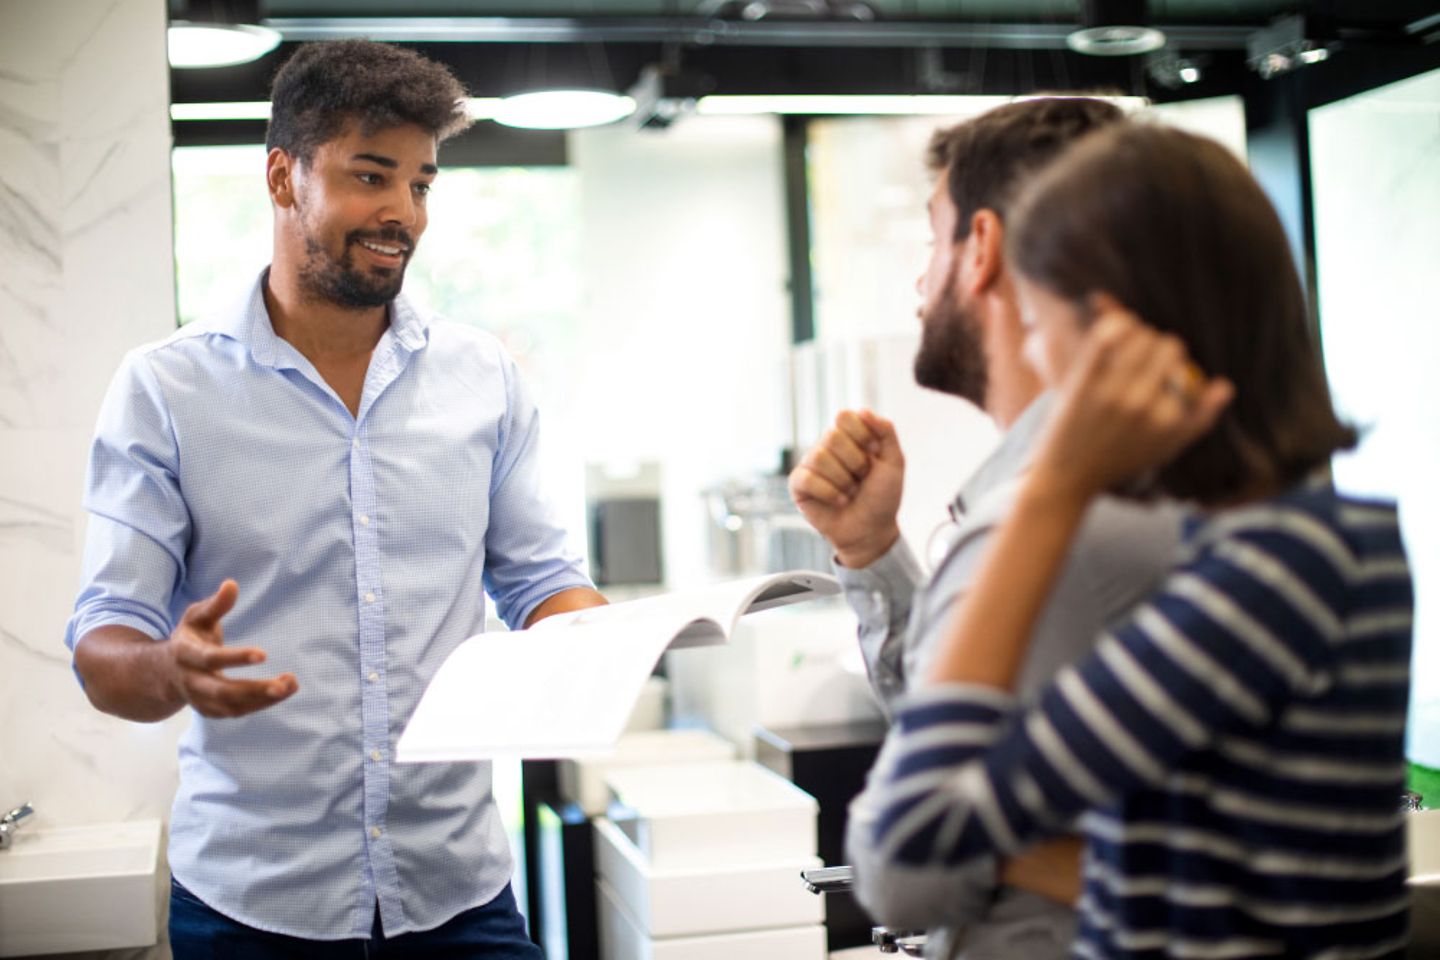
(223, 110)
(219, 33)
(871, 105)
(562, 109)
(218, 45)
(1114, 28)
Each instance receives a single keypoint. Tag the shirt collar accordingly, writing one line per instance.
(247, 321)
(1009, 458)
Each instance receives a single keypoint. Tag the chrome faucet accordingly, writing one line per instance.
(11, 822)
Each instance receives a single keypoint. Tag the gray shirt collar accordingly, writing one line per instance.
(1011, 457)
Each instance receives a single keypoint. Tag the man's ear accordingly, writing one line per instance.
(280, 170)
(984, 251)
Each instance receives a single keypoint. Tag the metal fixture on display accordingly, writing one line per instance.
(755, 528)
(219, 33)
(11, 821)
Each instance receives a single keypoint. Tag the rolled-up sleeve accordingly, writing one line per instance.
(526, 558)
(139, 527)
(910, 896)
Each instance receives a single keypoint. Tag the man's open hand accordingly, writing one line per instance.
(848, 487)
(198, 654)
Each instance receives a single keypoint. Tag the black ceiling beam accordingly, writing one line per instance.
(487, 70)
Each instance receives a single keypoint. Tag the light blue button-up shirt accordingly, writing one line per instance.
(362, 547)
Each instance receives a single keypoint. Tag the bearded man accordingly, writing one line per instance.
(973, 346)
(329, 479)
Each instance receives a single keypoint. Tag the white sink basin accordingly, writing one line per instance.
(79, 888)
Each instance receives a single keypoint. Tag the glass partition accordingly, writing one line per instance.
(1375, 169)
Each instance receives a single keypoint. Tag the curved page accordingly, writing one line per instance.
(565, 687)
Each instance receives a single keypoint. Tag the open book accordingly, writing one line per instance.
(566, 686)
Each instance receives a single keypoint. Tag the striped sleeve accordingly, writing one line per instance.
(1229, 637)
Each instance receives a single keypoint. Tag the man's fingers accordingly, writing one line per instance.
(205, 614)
(852, 425)
(887, 442)
(806, 484)
(214, 695)
(196, 654)
(827, 465)
(840, 445)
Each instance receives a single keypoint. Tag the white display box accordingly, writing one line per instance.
(788, 667)
(1423, 836)
(622, 939)
(708, 815)
(668, 903)
(583, 781)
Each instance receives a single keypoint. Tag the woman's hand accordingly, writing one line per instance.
(1130, 403)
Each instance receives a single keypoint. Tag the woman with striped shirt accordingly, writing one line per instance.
(1233, 751)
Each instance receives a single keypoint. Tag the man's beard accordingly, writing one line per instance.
(340, 282)
(951, 358)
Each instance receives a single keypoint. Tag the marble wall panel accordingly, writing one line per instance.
(86, 272)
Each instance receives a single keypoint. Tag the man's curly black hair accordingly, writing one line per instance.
(327, 85)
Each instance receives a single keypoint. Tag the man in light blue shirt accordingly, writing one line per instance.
(321, 480)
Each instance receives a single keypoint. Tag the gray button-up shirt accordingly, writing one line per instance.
(1117, 558)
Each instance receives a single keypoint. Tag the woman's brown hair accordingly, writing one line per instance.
(1176, 229)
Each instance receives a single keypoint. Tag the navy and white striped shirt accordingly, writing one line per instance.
(363, 547)
(1236, 748)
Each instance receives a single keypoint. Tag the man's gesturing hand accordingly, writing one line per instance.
(848, 487)
(198, 654)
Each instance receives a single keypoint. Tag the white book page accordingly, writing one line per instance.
(566, 686)
(721, 604)
(533, 693)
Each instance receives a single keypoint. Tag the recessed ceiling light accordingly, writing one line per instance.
(218, 45)
(563, 109)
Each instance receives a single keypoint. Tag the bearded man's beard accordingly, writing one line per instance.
(951, 358)
(342, 283)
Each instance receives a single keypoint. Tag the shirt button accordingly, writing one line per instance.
(364, 520)
(355, 442)
(369, 597)
(375, 755)
(375, 832)
(373, 677)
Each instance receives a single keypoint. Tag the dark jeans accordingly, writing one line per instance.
(494, 931)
